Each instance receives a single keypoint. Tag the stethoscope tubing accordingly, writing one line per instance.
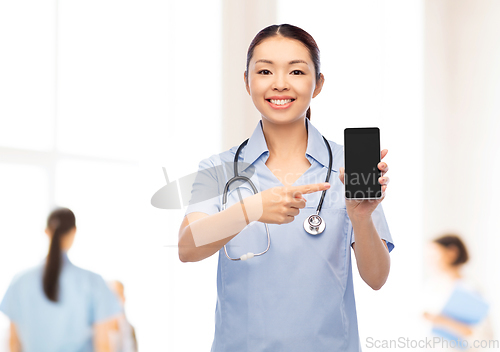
(237, 177)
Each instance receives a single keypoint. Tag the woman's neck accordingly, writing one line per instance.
(285, 141)
(454, 272)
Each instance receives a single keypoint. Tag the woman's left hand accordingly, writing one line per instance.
(364, 208)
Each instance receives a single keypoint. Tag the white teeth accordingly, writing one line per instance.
(280, 102)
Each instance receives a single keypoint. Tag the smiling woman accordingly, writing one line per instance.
(298, 295)
(273, 39)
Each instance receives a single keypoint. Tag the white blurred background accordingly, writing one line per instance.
(97, 96)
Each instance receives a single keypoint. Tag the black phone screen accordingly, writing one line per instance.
(361, 157)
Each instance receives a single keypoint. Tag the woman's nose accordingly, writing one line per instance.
(280, 82)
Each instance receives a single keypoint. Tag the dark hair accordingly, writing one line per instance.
(59, 222)
(292, 32)
(453, 241)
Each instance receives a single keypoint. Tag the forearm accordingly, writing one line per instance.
(14, 343)
(102, 347)
(372, 256)
(206, 236)
(102, 335)
(457, 326)
(14, 346)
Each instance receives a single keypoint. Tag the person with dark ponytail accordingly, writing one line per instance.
(447, 256)
(295, 292)
(57, 306)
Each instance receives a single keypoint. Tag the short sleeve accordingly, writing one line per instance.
(10, 304)
(381, 225)
(105, 303)
(205, 193)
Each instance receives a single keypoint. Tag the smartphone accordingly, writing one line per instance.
(361, 157)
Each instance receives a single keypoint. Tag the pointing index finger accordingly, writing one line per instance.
(311, 188)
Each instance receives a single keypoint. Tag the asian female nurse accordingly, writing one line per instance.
(299, 295)
(57, 306)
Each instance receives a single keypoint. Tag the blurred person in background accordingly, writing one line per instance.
(123, 335)
(57, 306)
(446, 257)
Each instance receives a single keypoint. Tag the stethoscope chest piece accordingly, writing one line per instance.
(314, 224)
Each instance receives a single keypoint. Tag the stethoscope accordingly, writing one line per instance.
(313, 225)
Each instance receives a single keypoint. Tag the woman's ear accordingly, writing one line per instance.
(453, 254)
(245, 78)
(319, 85)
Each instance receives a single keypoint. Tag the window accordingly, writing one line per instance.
(94, 96)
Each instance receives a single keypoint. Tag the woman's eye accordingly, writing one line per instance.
(263, 71)
(300, 72)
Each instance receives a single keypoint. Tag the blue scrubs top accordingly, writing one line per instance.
(65, 326)
(299, 295)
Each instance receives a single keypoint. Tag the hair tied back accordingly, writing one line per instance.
(54, 224)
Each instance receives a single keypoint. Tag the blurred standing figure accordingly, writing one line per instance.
(447, 256)
(57, 306)
(123, 336)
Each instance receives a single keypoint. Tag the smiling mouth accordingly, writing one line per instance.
(280, 102)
